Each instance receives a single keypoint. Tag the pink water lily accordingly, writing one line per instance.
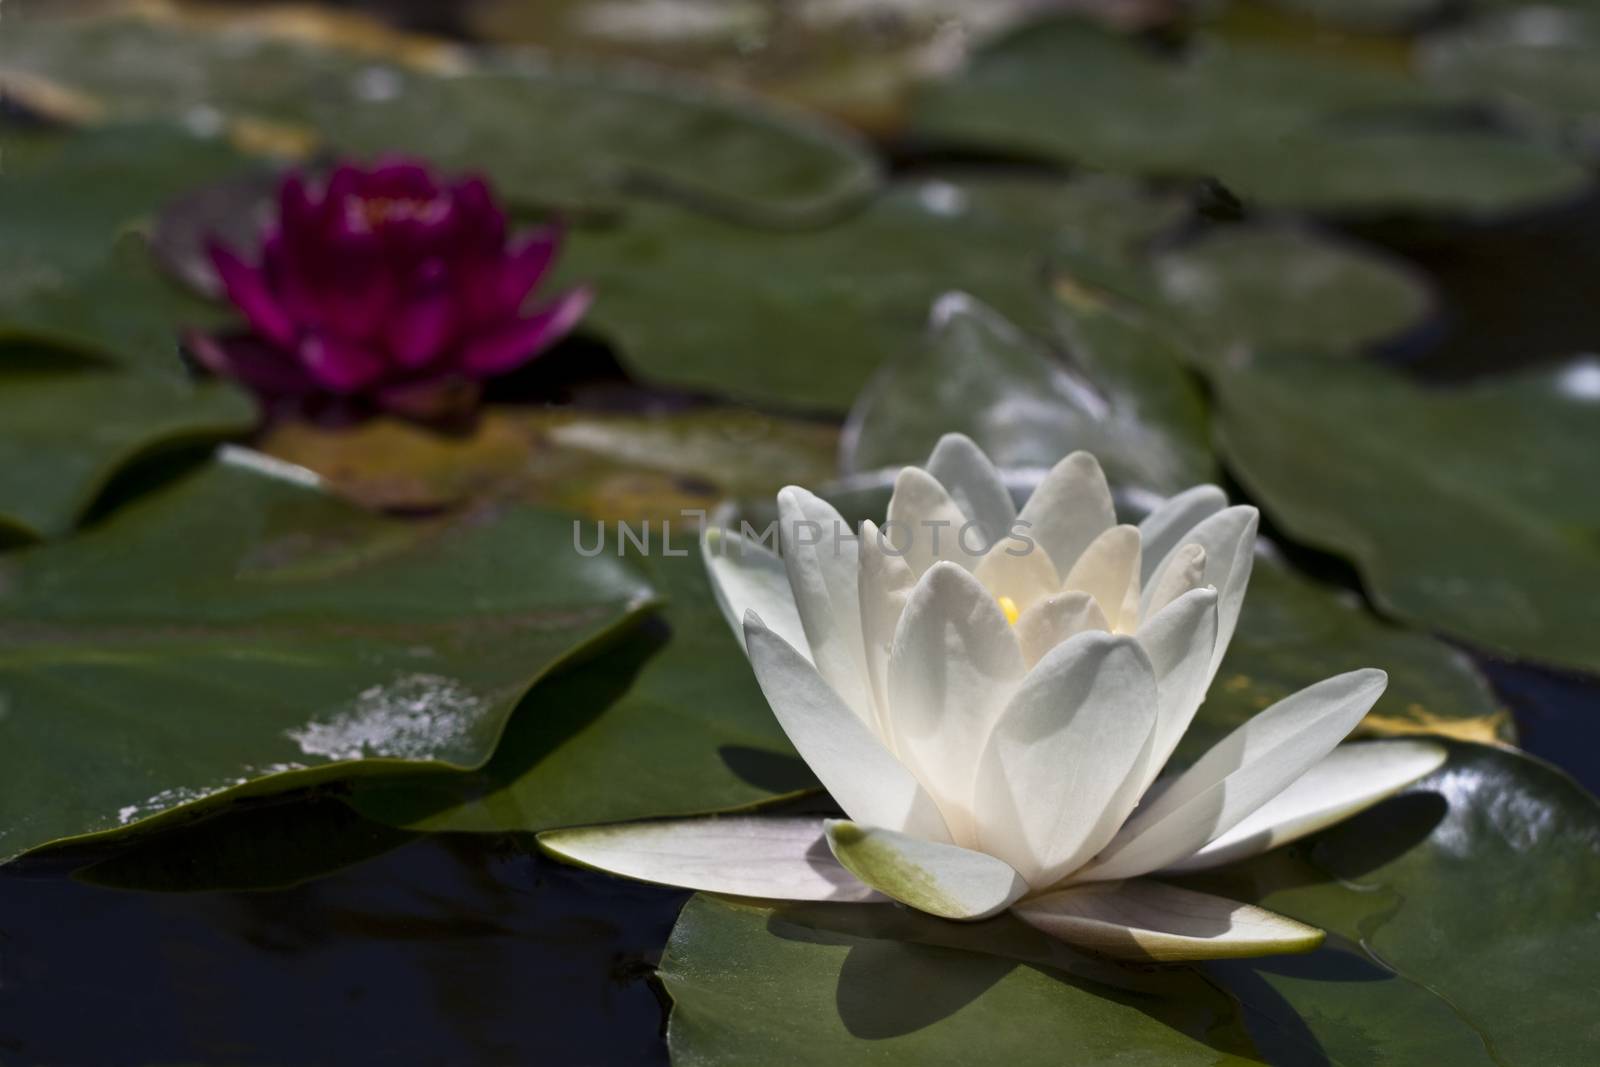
(995, 710)
(391, 287)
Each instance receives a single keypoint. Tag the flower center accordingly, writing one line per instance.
(374, 212)
(1008, 606)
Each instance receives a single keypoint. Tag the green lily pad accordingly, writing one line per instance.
(670, 721)
(567, 134)
(66, 429)
(1294, 632)
(1279, 125)
(1284, 288)
(1401, 888)
(853, 983)
(75, 272)
(858, 61)
(1495, 851)
(1535, 65)
(801, 320)
(1467, 510)
(1135, 407)
(238, 634)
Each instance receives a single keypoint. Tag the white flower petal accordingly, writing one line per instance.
(746, 576)
(944, 880)
(1167, 527)
(1144, 920)
(925, 523)
(1071, 507)
(1108, 570)
(1179, 640)
(954, 665)
(820, 556)
(747, 856)
(1349, 779)
(1019, 572)
(1229, 539)
(974, 483)
(846, 756)
(1241, 773)
(885, 583)
(1066, 760)
(1184, 570)
(1054, 619)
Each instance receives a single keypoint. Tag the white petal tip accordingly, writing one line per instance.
(1153, 922)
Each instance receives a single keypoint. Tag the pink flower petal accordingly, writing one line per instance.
(247, 288)
(509, 348)
(247, 359)
(399, 177)
(525, 264)
(420, 330)
(339, 365)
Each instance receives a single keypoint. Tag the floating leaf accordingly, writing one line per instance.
(1535, 65)
(602, 132)
(858, 61)
(1283, 288)
(604, 465)
(65, 430)
(977, 374)
(802, 320)
(851, 981)
(1496, 851)
(1468, 510)
(1294, 632)
(1280, 125)
(73, 273)
(668, 722)
(237, 634)
(1402, 888)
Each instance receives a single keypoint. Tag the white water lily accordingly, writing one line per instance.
(993, 711)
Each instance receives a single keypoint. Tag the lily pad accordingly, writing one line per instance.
(1135, 407)
(237, 634)
(1535, 65)
(1468, 510)
(605, 465)
(1496, 850)
(802, 320)
(603, 132)
(858, 61)
(66, 429)
(668, 722)
(74, 271)
(1279, 125)
(1294, 631)
(1402, 888)
(1286, 288)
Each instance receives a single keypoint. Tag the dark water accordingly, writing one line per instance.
(449, 950)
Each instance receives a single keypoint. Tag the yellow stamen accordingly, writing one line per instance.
(1008, 606)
